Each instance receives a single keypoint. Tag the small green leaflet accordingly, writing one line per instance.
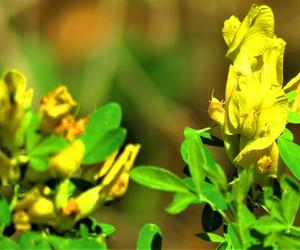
(291, 96)
(287, 134)
(149, 238)
(293, 117)
(289, 152)
(210, 194)
(266, 225)
(102, 135)
(32, 137)
(212, 237)
(39, 155)
(5, 215)
(290, 198)
(33, 240)
(107, 229)
(180, 202)
(7, 243)
(49, 146)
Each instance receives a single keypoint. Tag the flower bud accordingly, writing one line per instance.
(68, 160)
(216, 111)
(21, 220)
(14, 98)
(42, 211)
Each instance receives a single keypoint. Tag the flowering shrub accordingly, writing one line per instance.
(57, 169)
(252, 121)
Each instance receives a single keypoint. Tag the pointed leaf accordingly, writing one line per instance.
(5, 215)
(211, 237)
(180, 202)
(158, 178)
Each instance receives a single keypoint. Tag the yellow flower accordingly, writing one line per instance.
(35, 207)
(14, 98)
(15, 102)
(256, 106)
(56, 105)
(115, 181)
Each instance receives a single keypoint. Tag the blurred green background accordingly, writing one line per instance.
(160, 59)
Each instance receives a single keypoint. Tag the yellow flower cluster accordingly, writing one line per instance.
(256, 106)
(35, 202)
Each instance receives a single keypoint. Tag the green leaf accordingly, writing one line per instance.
(242, 185)
(210, 193)
(293, 117)
(60, 243)
(196, 161)
(212, 170)
(107, 145)
(267, 224)
(33, 240)
(291, 95)
(273, 204)
(64, 190)
(211, 220)
(102, 120)
(287, 134)
(32, 137)
(190, 132)
(211, 237)
(5, 215)
(39, 155)
(107, 229)
(289, 152)
(150, 238)
(84, 231)
(286, 241)
(188, 181)
(39, 163)
(49, 146)
(6, 243)
(224, 246)
(234, 238)
(290, 198)
(158, 178)
(180, 202)
(245, 217)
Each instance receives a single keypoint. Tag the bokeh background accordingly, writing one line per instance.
(160, 59)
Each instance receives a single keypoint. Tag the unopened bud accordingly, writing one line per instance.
(216, 111)
(68, 160)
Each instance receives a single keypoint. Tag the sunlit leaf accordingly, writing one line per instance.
(158, 178)
(289, 151)
(180, 202)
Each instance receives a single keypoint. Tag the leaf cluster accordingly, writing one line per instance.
(235, 204)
